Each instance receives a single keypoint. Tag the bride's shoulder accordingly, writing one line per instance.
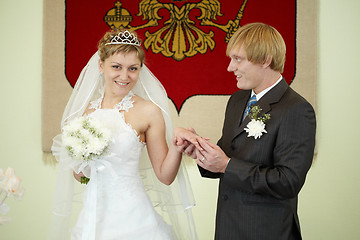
(146, 106)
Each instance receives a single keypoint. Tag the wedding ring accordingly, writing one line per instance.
(202, 159)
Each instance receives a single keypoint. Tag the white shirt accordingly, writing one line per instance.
(263, 92)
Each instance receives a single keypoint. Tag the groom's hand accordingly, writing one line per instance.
(212, 157)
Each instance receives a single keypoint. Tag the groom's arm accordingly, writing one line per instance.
(208, 174)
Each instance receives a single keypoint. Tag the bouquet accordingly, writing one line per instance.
(85, 139)
(9, 185)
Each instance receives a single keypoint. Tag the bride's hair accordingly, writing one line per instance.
(106, 49)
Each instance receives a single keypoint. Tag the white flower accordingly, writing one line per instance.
(255, 128)
(10, 183)
(85, 138)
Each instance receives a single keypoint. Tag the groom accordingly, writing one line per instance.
(262, 165)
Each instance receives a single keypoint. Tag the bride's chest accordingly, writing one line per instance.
(122, 133)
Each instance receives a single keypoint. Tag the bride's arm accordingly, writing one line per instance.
(165, 160)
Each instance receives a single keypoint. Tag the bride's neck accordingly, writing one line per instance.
(109, 101)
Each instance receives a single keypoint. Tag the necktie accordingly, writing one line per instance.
(251, 102)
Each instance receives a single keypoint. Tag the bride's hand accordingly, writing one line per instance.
(181, 145)
(183, 135)
(78, 176)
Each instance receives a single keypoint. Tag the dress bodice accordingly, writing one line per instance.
(125, 147)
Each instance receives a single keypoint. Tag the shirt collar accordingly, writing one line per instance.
(263, 92)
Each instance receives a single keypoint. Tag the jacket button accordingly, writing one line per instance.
(225, 197)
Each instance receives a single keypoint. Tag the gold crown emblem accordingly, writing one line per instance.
(178, 36)
(118, 17)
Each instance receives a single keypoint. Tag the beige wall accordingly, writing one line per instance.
(329, 200)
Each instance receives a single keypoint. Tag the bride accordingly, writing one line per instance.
(128, 195)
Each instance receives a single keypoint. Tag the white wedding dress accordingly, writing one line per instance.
(115, 200)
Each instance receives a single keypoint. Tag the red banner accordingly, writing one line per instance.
(184, 41)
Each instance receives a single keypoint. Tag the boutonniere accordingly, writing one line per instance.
(256, 127)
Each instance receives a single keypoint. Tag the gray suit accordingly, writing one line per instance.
(258, 193)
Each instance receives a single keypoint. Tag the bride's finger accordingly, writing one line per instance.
(195, 140)
(206, 145)
(189, 149)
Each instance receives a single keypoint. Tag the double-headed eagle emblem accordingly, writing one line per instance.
(179, 37)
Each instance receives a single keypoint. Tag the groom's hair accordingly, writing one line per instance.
(260, 42)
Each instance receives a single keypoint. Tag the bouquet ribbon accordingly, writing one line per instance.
(94, 166)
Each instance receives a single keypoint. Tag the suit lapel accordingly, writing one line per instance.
(242, 102)
(271, 97)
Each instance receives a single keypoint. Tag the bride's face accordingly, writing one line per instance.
(121, 72)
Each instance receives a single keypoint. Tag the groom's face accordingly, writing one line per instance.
(248, 75)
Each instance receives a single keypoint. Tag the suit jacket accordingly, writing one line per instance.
(258, 193)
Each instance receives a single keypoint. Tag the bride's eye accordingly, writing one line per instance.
(116, 67)
(133, 69)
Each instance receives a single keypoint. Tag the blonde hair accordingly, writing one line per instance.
(260, 42)
(106, 51)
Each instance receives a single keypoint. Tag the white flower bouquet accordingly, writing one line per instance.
(85, 138)
(9, 186)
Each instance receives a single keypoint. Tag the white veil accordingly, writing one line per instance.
(172, 202)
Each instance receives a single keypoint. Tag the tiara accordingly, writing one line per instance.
(124, 38)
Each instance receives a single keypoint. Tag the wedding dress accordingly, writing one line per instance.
(123, 209)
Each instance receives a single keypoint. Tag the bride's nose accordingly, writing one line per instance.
(124, 74)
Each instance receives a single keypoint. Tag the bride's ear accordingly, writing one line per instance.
(101, 67)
